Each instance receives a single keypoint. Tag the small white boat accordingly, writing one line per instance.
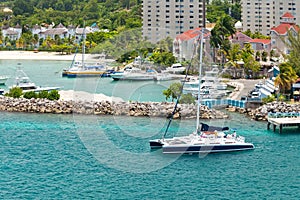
(3, 79)
(22, 81)
(176, 68)
(164, 77)
(134, 74)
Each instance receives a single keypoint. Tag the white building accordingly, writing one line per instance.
(168, 18)
(263, 15)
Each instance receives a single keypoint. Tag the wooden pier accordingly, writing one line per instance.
(283, 122)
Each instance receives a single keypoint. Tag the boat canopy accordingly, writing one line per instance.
(206, 127)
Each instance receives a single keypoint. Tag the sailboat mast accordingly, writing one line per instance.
(83, 45)
(200, 75)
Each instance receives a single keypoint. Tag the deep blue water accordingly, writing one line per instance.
(105, 157)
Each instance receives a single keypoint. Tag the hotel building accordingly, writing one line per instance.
(169, 18)
(263, 15)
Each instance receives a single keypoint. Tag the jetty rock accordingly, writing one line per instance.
(107, 106)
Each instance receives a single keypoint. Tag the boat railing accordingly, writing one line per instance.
(283, 114)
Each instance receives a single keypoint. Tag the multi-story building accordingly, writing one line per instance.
(263, 15)
(168, 18)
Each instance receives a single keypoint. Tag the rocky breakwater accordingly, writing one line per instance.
(280, 108)
(150, 109)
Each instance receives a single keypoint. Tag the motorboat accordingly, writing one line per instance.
(134, 74)
(205, 138)
(23, 81)
(164, 77)
(176, 68)
(3, 79)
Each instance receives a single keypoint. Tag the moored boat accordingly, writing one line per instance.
(3, 80)
(22, 81)
(204, 139)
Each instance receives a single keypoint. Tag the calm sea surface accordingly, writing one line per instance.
(45, 156)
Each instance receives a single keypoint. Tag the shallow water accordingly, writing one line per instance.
(48, 73)
(105, 157)
(46, 156)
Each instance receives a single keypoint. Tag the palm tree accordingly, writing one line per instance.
(285, 78)
(234, 55)
(224, 28)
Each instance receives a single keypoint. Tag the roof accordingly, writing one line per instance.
(60, 26)
(262, 41)
(190, 34)
(287, 15)
(55, 31)
(283, 28)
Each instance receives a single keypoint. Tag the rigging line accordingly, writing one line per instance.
(181, 89)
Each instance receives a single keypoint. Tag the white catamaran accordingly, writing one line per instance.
(206, 139)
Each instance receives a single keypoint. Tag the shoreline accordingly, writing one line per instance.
(42, 55)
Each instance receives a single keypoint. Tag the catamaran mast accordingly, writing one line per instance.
(200, 75)
(83, 45)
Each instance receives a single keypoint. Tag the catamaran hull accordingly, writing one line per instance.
(155, 144)
(206, 148)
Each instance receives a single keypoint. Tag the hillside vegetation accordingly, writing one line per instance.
(107, 14)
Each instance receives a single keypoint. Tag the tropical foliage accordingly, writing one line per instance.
(285, 78)
(293, 43)
(173, 91)
(217, 8)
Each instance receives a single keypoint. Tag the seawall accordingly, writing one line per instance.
(149, 109)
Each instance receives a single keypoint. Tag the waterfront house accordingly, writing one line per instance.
(183, 44)
(13, 33)
(239, 38)
(280, 33)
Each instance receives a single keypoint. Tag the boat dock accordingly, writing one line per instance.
(286, 120)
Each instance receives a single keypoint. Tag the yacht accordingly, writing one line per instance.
(134, 74)
(205, 139)
(3, 80)
(176, 68)
(22, 81)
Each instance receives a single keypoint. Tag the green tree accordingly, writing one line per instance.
(187, 98)
(30, 95)
(293, 43)
(43, 94)
(285, 78)
(53, 95)
(14, 92)
(173, 91)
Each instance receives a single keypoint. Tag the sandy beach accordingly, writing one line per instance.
(30, 55)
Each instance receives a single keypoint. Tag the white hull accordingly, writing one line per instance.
(3, 80)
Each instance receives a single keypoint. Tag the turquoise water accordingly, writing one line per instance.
(48, 73)
(103, 157)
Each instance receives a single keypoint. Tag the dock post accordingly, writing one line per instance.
(274, 127)
(268, 127)
(280, 128)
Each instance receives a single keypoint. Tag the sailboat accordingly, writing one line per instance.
(84, 69)
(206, 139)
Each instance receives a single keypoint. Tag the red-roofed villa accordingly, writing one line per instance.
(287, 24)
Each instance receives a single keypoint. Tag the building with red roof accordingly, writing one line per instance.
(279, 33)
(184, 44)
(261, 44)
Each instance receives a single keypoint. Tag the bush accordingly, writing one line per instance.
(43, 95)
(187, 98)
(15, 92)
(53, 95)
(269, 99)
(30, 95)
